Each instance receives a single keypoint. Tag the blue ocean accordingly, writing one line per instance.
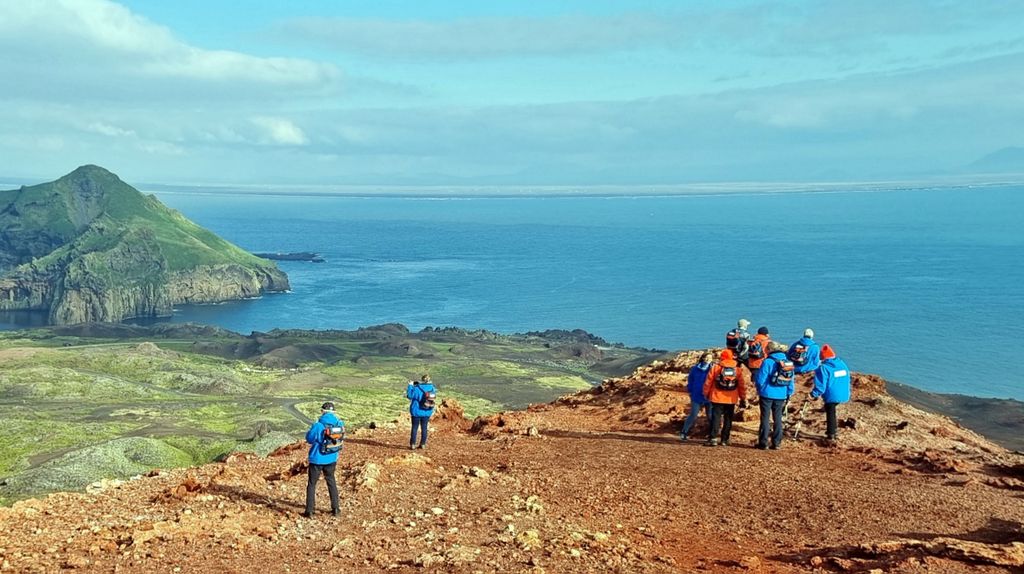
(924, 287)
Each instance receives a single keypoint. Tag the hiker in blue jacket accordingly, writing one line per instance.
(832, 383)
(322, 459)
(422, 396)
(695, 387)
(805, 353)
(775, 385)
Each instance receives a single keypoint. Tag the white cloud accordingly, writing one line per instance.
(820, 28)
(486, 37)
(161, 148)
(72, 48)
(280, 131)
(109, 130)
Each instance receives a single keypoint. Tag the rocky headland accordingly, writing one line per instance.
(89, 247)
(293, 256)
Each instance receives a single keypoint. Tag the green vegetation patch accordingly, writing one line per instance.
(25, 434)
(118, 458)
(57, 383)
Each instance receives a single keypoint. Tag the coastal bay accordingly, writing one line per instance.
(899, 282)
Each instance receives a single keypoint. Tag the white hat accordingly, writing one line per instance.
(809, 333)
(742, 323)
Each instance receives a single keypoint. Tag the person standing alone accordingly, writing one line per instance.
(422, 398)
(324, 438)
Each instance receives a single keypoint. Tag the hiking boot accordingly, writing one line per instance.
(724, 443)
(307, 515)
(336, 512)
(684, 437)
(423, 447)
(760, 446)
(711, 442)
(412, 447)
(775, 446)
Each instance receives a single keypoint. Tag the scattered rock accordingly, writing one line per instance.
(411, 459)
(367, 477)
(750, 563)
(528, 539)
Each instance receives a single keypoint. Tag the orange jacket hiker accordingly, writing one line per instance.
(718, 378)
(762, 341)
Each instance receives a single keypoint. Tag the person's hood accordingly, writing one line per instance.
(806, 341)
(329, 418)
(702, 366)
(777, 354)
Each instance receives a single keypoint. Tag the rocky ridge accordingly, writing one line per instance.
(595, 481)
(89, 247)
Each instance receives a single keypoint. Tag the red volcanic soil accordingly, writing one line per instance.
(594, 482)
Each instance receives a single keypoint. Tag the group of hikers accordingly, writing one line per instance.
(714, 387)
(327, 435)
(718, 388)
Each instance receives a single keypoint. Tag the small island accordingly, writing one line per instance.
(297, 256)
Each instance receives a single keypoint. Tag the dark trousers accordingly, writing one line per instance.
(419, 423)
(332, 487)
(831, 422)
(721, 412)
(771, 412)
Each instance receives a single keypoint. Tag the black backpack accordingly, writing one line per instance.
(784, 373)
(726, 379)
(798, 354)
(732, 339)
(757, 349)
(736, 340)
(429, 399)
(333, 439)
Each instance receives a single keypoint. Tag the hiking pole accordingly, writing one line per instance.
(800, 417)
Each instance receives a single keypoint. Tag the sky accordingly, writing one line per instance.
(594, 92)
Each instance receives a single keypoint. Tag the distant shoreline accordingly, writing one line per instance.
(594, 192)
(999, 420)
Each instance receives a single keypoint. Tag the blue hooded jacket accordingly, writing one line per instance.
(832, 381)
(695, 383)
(315, 437)
(415, 393)
(767, 390)
(813, 355)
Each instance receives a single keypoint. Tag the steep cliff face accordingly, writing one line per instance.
(88, 247)
(213, 284)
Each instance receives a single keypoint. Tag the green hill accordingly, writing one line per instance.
(89, 247)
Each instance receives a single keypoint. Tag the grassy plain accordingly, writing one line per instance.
(74, 410)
